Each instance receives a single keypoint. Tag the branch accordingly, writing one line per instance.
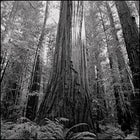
(4, 71)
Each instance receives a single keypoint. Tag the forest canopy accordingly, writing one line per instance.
(70, 70)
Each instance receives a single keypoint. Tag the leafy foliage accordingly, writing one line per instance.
(26, 129)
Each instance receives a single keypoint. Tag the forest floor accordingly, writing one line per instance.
(26, 129)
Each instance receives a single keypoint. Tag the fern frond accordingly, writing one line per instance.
(63, 119)
(42, 135)
(83, 134)
(59, 133)
(87, 138)
(75, 127)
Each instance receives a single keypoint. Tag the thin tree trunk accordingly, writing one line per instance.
(8, 32)
(34, 86)
(100, 88)
(33, 98)
(3, 72)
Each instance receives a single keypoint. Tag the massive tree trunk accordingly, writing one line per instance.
(67, 91)
(34, 87)
(131, 38)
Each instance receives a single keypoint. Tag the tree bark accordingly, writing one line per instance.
(5, 40)
(67, 93)
(99, 88)
(131, 38)
(101, 112)
(119, 54)
(127, 86)
(34, 87)
(33, 98)
(116, 83)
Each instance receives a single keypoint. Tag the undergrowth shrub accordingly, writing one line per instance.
(26, 129)
(29, 130)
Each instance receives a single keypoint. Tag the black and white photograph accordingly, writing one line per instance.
(70, 70)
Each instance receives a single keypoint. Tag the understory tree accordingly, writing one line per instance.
(95, 69)
(35, 83)
(20, 32)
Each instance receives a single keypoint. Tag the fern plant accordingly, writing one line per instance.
(26, 129)
(72, 133)
(50, 130)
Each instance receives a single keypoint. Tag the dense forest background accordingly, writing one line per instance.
(70, 70)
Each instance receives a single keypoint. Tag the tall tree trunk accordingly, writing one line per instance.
(92, 72)
(67, 93)
(127, 86)
(34, 87)
(120, 104)
(5, 41)
(4, 70)
(131, 38)
(97, 77)
(101, 112)
(125, 76)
